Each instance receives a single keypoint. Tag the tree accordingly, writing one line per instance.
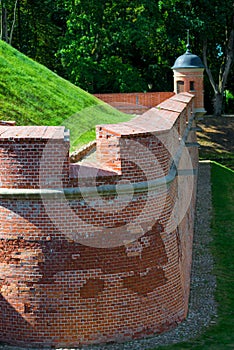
(6, 32)
(212, 33)
(121, 46)
(114, 46)
(225, 56)
(34, 27)
(38, 31)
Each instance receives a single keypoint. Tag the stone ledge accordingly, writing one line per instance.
(121, 189)
(76, 156)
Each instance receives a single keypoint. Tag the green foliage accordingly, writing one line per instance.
(38, 27)
(122, 46)
(211, 25)
(110, 46)
(33, 95)
(229, 96)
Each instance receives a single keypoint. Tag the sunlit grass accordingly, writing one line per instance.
(31, 94)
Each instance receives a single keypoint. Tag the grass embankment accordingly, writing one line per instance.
(221, 335)
(31, 94)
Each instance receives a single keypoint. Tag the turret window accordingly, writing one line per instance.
(180, 86)
(192, 87)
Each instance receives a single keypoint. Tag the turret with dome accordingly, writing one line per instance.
(188, 60)
(188, 77)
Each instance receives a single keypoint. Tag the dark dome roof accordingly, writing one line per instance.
(188, 60)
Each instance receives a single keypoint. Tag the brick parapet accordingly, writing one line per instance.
(24, 151)
(144, 136)
(137, 102)
(102, 259)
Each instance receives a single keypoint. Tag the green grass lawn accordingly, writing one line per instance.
(225, 158)
(221, 335)
(31, 94)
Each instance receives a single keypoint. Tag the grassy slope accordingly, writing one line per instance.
(31, 94)
(221, 335)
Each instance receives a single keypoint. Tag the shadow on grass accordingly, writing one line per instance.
(217, 140)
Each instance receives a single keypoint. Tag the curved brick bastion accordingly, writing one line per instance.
(100, 250)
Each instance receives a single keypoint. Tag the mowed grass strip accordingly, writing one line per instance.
(219, 336)
(31, 94)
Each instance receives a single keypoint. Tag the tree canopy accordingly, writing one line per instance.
(113, 45)
(212, 29)
(124, 46)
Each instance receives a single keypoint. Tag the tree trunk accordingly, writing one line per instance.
(19, 26)
(218, 104)
(13, 23)
(225, 68)
(4, 29)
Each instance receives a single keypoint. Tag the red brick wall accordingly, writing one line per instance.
(21, 151)
(195, 76)
(136, 102)
(98, 266)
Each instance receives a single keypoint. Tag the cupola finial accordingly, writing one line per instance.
(188, 45)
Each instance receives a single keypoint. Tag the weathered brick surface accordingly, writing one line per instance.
(24, 149)
(98, 267)
(195, 76)
(134, 103)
